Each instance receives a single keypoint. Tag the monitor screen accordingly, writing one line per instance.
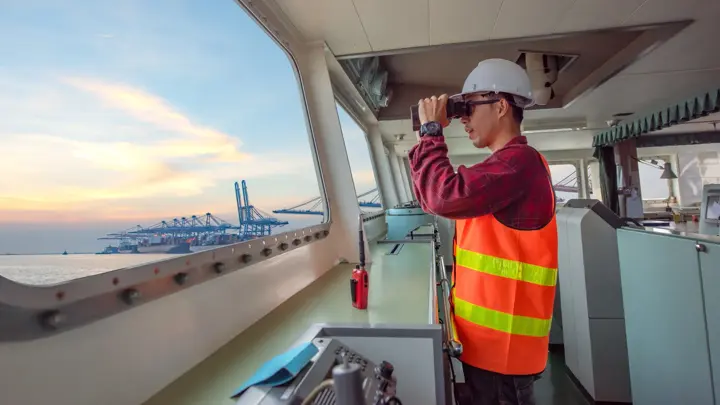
(713, 207)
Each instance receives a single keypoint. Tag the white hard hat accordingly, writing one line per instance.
(500, 76)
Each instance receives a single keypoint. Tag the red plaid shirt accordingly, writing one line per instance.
(512, 184)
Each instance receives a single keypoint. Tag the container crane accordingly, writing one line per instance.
(184, 226)
(253, 222)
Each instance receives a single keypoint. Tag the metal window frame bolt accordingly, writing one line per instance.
(130, 296)
(52, 319)
(219, 267)
(180, 278)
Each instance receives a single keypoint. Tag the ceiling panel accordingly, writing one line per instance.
(666, 10)
(413, 75)
(692, 43)
(431, 67)
(454, 21)
(643, 93)
(395, 24)
(593, 14)
(338, 23)
(519, 18)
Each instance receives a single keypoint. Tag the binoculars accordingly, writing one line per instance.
(456, 108)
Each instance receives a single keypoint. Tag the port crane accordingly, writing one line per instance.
(253, 222)
(184, 226)
(314, 206)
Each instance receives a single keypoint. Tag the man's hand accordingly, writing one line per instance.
(434, 109)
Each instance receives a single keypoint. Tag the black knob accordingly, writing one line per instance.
(386, 370)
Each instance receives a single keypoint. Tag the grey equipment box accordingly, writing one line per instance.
(420, 368)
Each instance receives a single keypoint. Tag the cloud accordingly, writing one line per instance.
(169, 163)
(153, 110)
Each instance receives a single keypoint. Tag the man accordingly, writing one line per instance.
(505, 243)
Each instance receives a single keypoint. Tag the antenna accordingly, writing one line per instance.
(362, 243)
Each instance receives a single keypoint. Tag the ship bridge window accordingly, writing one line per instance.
(565, 180)
(361, 166)
(129, 127)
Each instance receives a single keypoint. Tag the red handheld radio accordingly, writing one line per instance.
(359, 287)
(359, 283)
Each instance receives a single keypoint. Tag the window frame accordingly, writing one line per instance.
(36, 311)
(340, 101)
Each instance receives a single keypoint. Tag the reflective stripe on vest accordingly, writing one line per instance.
(503, 295)
(514, 324)
(529, 273)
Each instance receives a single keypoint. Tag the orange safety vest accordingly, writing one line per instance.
(503, 293)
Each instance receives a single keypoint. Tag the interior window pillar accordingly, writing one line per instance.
(384, 178)
(630, 194)
(582, 177)
(594, 179)
(608, 177)
(411, 189)
(407, 179)
(334, 166)
(398, 176)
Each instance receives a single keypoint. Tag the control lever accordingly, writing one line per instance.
(348, 383)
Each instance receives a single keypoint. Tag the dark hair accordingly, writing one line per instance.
(517, 112)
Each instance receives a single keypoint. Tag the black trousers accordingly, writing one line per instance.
(489, 388)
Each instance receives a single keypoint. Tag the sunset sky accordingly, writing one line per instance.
(135, 111)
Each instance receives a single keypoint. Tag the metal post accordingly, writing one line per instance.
(452, 345)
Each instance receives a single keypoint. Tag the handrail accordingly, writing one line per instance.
(454, 347)
(452, 344)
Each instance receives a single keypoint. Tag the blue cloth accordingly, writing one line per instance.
(282, 368)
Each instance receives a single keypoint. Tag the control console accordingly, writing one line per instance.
(335, 376)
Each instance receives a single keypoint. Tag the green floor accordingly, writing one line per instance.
(399, 293)
(555, 387)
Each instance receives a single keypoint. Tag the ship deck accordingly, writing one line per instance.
(400, 285)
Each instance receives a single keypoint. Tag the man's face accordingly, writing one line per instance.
(482, 124)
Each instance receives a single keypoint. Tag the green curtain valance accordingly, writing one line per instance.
(695, 107)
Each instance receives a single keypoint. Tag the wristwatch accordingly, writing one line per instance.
(432, 128)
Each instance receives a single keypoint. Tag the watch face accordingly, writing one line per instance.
(432, 128)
